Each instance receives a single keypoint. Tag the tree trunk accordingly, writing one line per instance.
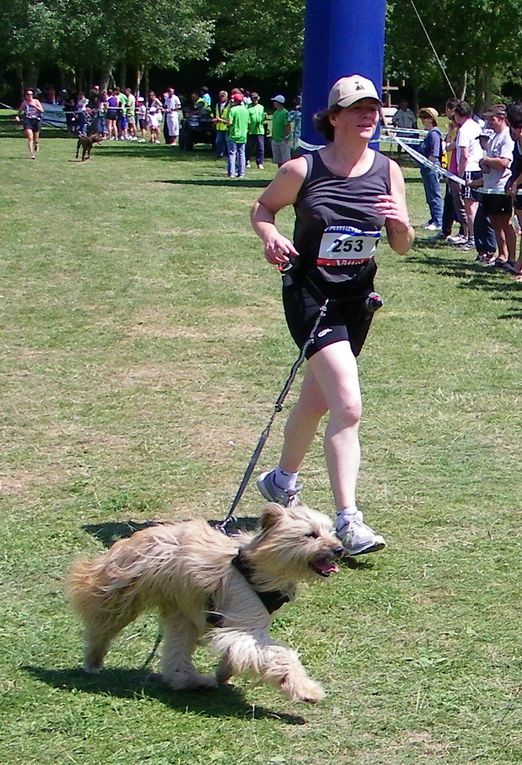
(123, 75)
(105, 76)
(30, 80)
(139, 75)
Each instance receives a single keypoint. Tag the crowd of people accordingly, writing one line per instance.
(238, 123)
(484, 156)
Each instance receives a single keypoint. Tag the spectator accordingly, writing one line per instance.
(453, 203)
(514, 120)
(154, 111)
(431, 148)
(130, 114)
(237, 137)
(112, 114)
(99, 107)
(485, 240)
(280, 131)
(141, 115)
(496, 170)
(220, 119)
(404, 117)
(49, 94)
(82, 113)
(256, 132)
(69, 109)
(121, 122)
(205, 96)
(295, 117)
(469, 155)
(94, 95)
(172, 106)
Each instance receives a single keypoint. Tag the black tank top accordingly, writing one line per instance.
(326, 200)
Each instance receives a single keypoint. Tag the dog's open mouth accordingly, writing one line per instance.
(324, 566)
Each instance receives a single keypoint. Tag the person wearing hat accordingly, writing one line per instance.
(343, 195)
(220, 119)
(496, 170)
(281, 128)
(237, 136)
(431, 148)
(256, 131)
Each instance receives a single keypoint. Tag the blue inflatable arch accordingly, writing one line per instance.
(342, 37)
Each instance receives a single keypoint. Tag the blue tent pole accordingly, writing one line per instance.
(342, 37)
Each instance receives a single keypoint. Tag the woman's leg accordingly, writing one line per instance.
(335, 370)
(30, 141)
(331, 383)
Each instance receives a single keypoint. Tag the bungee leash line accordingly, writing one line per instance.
(227, 526)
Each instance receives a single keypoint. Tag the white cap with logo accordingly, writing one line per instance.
(347, 90)
(279, 99)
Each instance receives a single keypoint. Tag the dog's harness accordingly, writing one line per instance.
(272, 600)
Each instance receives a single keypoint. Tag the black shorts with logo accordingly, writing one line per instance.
(345, 319)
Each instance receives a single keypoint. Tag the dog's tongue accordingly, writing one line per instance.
(326, 567)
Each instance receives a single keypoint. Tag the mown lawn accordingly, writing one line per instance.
(143, 347)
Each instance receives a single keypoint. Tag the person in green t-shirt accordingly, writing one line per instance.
(256, 131)
(130, 113)
(121, 122)
(280, 131)
(237, 137)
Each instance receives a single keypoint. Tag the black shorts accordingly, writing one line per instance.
(112, 114)
(471, 175)
(496, 204)
(344, 320)
(32, 123)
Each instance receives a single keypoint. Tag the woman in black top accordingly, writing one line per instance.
(31, 111)
(343, 195)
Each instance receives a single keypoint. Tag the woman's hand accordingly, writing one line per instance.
(393, 210)
(278, 249)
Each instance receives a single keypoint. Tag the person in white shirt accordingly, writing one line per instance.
(172, 106)
(496, 169)
(469, 155)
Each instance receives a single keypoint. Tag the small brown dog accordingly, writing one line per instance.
(86, 142)
(207, 585)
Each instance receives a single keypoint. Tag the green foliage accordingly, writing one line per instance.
(477, 43)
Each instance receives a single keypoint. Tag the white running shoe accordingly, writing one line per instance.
(433, 227)
(356, 537)
(273, 493)
(457, 239)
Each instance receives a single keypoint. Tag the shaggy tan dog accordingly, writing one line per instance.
(205, 584)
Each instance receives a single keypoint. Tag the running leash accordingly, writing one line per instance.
(227, 526)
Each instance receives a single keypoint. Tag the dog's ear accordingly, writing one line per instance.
(272, 513)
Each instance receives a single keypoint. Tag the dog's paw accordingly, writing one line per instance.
(313, 694)
(183, 681)
(92, 669)
(303, 690)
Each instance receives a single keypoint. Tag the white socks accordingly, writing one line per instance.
(345, 515)
(285, 480)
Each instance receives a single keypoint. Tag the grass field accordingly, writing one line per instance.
(143, 347)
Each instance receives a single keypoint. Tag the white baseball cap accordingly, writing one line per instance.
(279, 99)
(347, 90)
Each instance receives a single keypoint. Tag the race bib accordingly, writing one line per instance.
(346, 246)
